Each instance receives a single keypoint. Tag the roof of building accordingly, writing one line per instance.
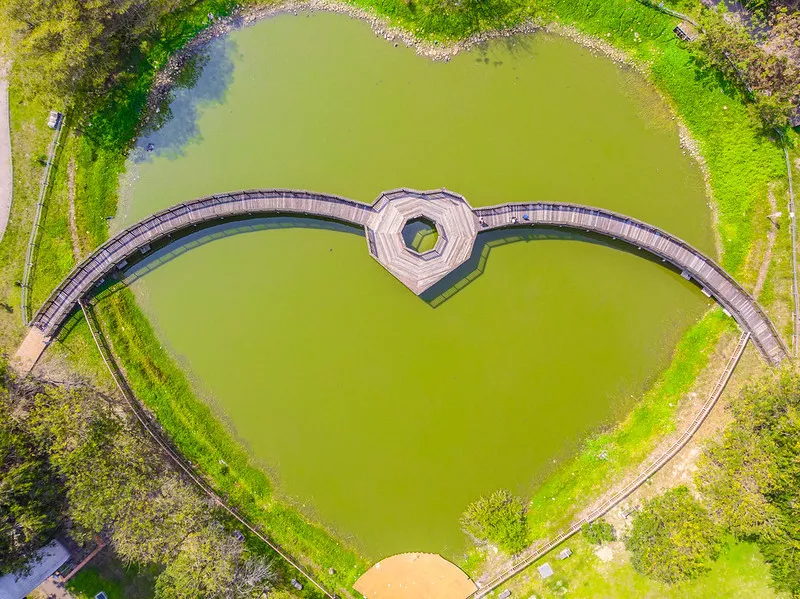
(46, 561)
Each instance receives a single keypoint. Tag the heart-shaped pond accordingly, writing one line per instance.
(383, 414)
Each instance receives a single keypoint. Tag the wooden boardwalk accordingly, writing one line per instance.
(117, 251)
(457, 223)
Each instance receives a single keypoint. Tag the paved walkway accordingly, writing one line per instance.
(52, 589)
(6, 172)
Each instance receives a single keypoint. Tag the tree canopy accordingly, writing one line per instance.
(499, 519)
(770, 78)
(73, 463)
(598, 532)
(750, 478)
(673, 538)
(30, 494)
(64, 45)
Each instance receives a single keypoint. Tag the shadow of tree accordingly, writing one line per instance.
(203, 81)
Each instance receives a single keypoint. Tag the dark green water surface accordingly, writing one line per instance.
(377, 413)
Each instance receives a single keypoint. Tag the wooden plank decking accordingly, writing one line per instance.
(456, 221)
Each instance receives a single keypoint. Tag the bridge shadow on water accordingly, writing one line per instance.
(475, 265)
(173, 247)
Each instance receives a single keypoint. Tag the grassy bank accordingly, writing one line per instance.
(53, 257)
(606, 456)
(740, 571)
(30, 141)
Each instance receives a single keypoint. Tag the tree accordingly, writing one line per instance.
(62, 46)
(103, 462)
(598, 532)
(212, 565)
(770, 79)
(30, 493)
(151, 527)
(750, 478)
(498, 519)
(673, 538)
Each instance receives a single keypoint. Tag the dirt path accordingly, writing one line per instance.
(73, 228)
(6, 171)
(772, 235)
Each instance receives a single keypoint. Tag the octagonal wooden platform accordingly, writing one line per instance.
(455, 222)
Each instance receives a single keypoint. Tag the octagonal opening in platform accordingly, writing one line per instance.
(420, 234)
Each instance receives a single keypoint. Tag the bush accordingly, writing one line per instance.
(673, 538)
(498, 519)
(598, 532)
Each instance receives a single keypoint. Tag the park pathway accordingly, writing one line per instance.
(6, 169)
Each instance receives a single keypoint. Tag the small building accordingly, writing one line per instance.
(545, 571)
(504, 595)
(565, 553)
(45, 562)
(55, 119)
(685, 31)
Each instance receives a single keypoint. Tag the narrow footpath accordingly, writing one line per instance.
(6, 170)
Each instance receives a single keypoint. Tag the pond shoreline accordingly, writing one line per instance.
(243, 17)
(442, 52)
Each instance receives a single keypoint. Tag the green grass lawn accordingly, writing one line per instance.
(111, 576)
(739, 572)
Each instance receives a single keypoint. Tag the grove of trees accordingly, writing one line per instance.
(768, 74)
(73, 463)
(750, 478)
(748, 483)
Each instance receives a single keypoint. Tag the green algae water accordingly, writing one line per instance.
(377, 413)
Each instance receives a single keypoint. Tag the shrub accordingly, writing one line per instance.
(498, 519)
(598, 532)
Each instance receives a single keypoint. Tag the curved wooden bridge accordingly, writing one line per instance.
(458, 224)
